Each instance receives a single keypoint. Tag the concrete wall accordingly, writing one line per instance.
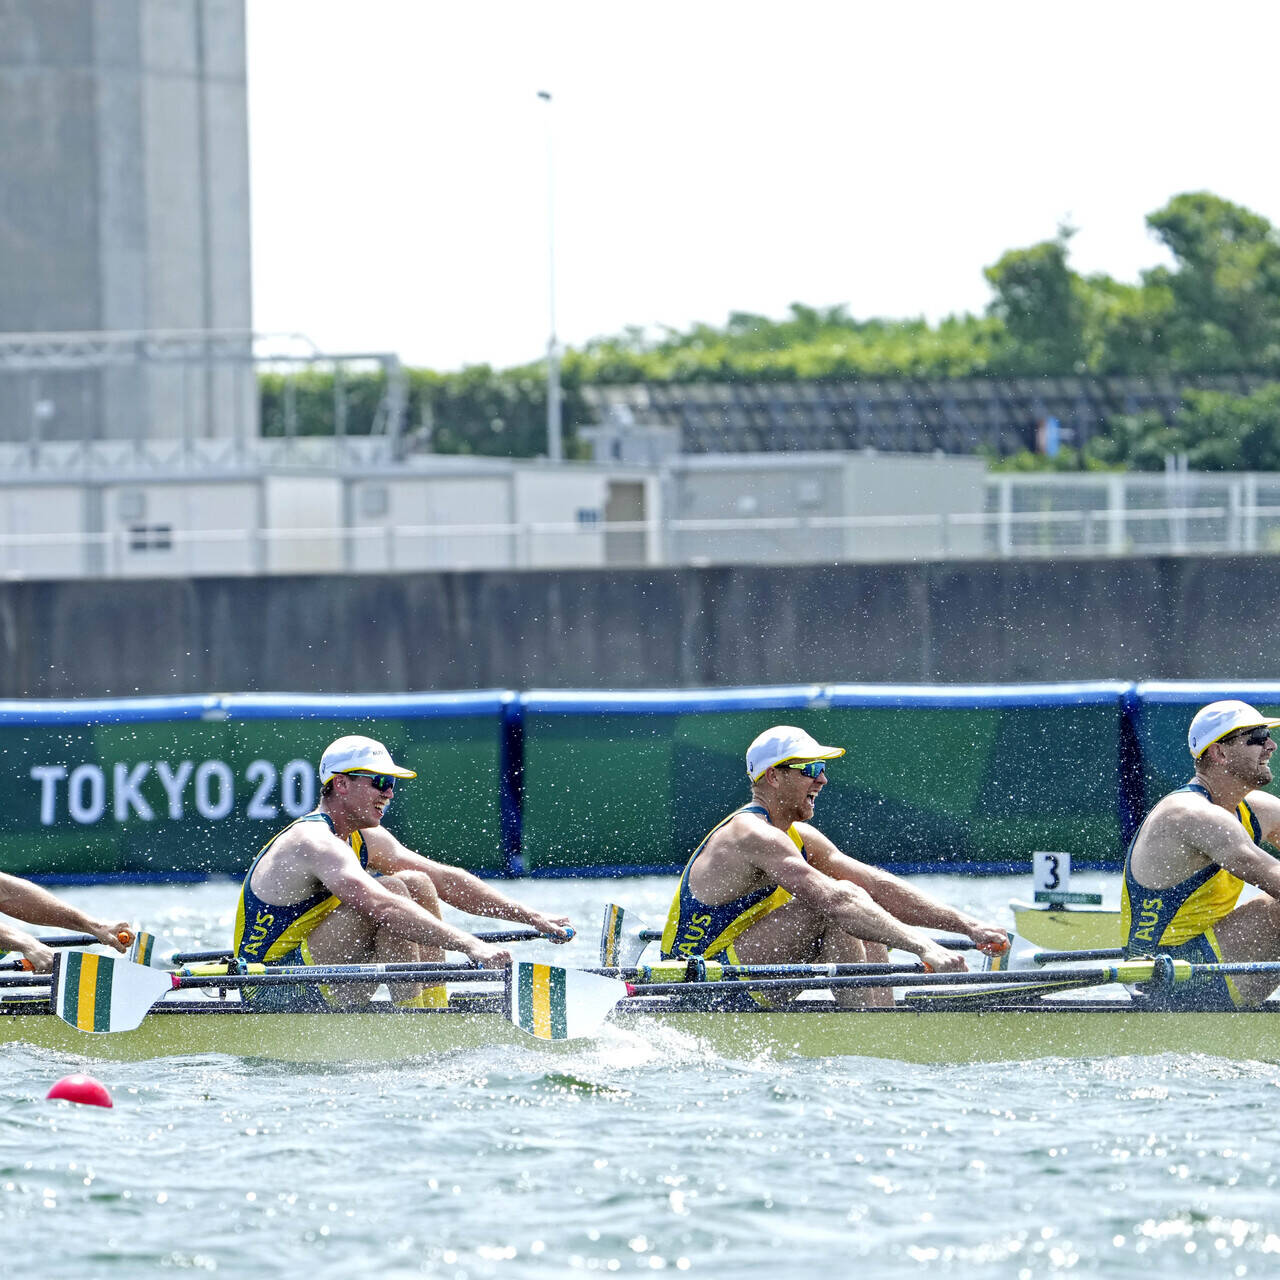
(1133, 619)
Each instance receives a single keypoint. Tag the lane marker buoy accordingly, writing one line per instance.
(82, 1089)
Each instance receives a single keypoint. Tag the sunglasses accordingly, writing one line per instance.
(810, 768)
(1256, 737)
(378, 781)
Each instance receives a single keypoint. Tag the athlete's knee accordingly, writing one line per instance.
(418, 885)
(835, 945)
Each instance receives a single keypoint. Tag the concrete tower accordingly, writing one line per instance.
(124, 209)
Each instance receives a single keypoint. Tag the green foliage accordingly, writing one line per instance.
(1041, 306)
(1215, 430)
(1215, 309)
(1066, 459)
(809, 343)
(1225, 290)
(315, 405)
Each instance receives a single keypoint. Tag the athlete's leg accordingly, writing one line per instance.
(1252, 932)
(347, 937)
(422, 890)
(793, 934)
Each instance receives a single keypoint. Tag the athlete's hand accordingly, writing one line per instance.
(117, 935)
(557, 928)
(941, 960)
(38, 957)
(489, 957)
(988, 939)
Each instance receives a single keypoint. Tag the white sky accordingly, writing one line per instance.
(721, 155)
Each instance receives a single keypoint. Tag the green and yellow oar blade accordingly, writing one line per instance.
(142, 948)
(622, 942)
(102, 994)
(553, 1003)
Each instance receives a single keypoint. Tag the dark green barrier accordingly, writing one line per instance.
(167, 786)
(978, 776)
(934, 778)
(1163, 716)
(632, 781)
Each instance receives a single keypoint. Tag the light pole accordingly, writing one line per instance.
(554, 452)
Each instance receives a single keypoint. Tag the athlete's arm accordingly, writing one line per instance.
(1219, 837)
(900, 899)
(34, 952)
(336, 866)
(842, 901)
(30, 903)
(1266, 808)
(460, 888)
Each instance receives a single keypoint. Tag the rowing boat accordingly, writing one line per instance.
(810, 1029)
(1044, 1004)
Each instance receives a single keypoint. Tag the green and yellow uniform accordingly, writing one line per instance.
(272, 933)
(1178, 920)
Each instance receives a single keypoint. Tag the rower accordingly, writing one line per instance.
(29, 903)
(765, 886)
(1195, 851)
(336, 887)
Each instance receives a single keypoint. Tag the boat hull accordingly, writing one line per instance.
(1067, 929)
(1065, 1028)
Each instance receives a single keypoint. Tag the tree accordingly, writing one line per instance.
(1225, 289)
(1039, 302)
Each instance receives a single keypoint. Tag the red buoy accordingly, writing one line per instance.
(84, 1089)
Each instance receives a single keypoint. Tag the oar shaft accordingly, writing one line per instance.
(366, 974)
(951, 944)
(664, 971)
(485, 935)
(1081, 977)
(1065, 957)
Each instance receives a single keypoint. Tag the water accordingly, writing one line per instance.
(632, 1157)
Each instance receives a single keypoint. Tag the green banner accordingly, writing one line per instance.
(201, 796)
(935, 783)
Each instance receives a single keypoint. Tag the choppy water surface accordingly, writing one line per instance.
(630, 1156)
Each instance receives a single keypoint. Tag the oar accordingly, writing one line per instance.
(1161, 969)
(1023, 954)
(1069, 957)
(80, 939)
(211, 975)
(102, 993)
(485, 935)
(622, 944)
(623, 941)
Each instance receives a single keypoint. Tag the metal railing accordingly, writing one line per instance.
(161, 550)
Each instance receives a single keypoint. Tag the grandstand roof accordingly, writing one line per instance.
(956, 415)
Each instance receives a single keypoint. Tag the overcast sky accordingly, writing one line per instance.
(718, 155)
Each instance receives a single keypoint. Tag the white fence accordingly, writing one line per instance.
(1027, 516)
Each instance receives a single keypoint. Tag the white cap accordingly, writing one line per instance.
(1218, 719)
(785, 742)
(352, 753)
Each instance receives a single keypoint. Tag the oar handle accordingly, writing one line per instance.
(80, 939)
(63, 940)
